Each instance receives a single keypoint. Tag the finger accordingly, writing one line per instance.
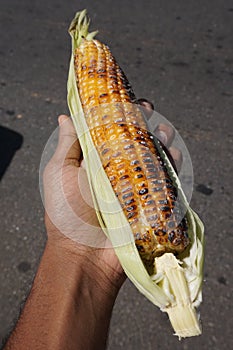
(68, 148)
(148, 107)
(165, 133)
(168, 154)
(177, 157)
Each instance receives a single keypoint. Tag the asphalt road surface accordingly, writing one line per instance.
(179, 55)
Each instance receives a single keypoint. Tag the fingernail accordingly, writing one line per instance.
(162, 137)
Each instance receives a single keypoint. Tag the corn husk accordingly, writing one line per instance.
(175, 286)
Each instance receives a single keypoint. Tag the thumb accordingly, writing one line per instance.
(68, 148)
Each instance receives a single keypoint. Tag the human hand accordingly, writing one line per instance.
(70, 218)
(71, 222)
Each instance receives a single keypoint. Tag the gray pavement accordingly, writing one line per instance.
(179, 55)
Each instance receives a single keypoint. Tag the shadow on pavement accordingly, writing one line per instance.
(10, 142)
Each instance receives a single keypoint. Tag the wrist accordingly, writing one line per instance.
(87, 263)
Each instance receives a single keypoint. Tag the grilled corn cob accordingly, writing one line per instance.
(160, 249)
(128, 153)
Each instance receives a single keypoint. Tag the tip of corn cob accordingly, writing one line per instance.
(79, 28)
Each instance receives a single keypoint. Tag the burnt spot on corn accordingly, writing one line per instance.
(130, 201)
(103, 95)
(164, 208)
(130, 146)
(134, 162)
(131, 215)
(143, 191)
(106, 150)
(150, 202)
(124, 177)
(127, 195)
(131, 208)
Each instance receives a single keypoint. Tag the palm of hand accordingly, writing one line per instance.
(70, 215)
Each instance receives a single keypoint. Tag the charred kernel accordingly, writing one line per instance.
(146, 154)
(127, 195)
(120, 166)
(134, 162)
(101, 70)
(172, 196)
(129, 146)
(167, 215)
(131, 208)
(105, 151)
(103, 95)
(150, 202)
(138, 168)
(131, 215)
(139, 176)
(162, 201)
(161, 232)
(176, 241)
(146, 196)
(143, 143)
(137, 235)
(124, 177)
(168, 181)
(137, 138)
(130, 201)
(165, 208)
(129, 188)
(143, 191)
(140, 248)
(171, 236)
(147, 160)
(117, 154)
(133, 221)
(169, 186)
